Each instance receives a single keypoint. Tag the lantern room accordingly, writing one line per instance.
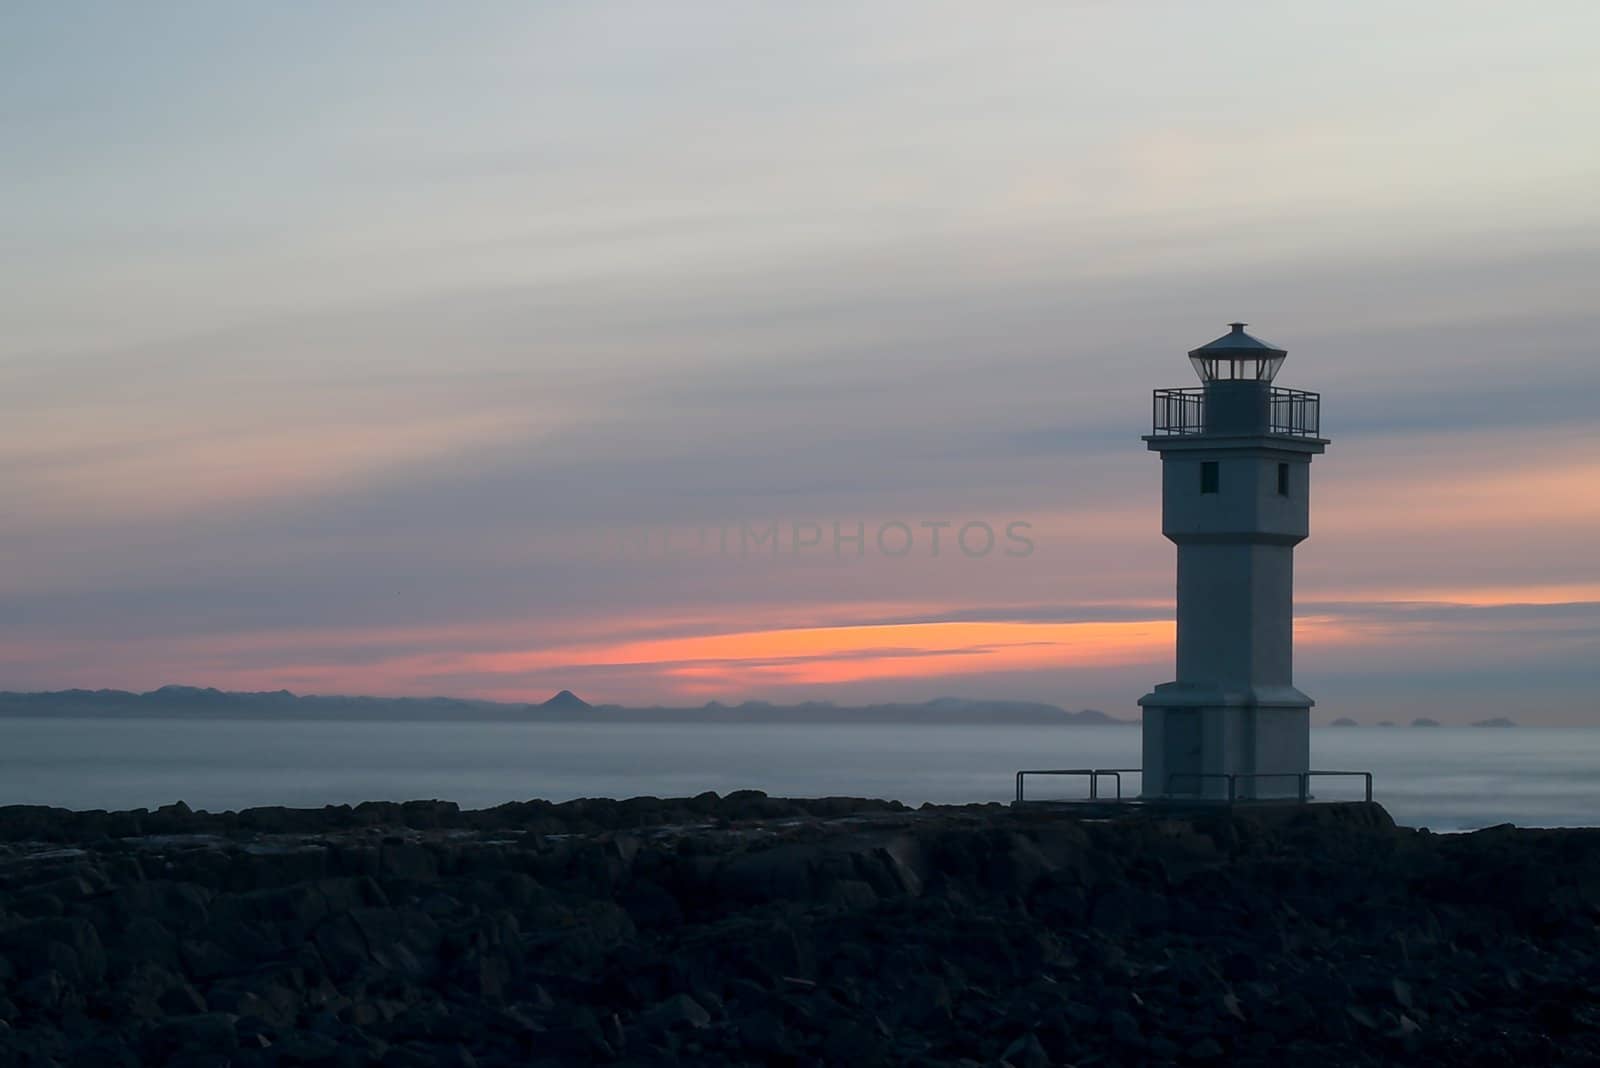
(1236, 356)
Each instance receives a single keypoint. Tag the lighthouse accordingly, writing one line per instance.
(1235, 495)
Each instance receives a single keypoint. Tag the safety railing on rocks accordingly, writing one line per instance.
(1231, 781)
(1092, 774)
(1305, 781)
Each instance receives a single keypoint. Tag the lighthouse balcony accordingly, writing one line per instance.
(1236, 408)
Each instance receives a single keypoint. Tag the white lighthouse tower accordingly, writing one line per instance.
(1235, 486)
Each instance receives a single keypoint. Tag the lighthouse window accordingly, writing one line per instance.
(1283, 480)
(1208, 476)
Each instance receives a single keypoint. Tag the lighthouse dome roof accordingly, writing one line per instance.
(1236, 344)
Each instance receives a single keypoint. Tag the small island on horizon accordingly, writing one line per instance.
(1424, 721)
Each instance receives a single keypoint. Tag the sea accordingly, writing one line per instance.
(1443, 778)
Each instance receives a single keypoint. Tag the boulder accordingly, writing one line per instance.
(677, 1012)
(208, 1032)
(1026, 1052)
(69, 946)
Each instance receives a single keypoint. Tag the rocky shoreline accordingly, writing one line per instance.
(755, 930)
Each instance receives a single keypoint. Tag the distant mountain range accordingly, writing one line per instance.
(564, 707)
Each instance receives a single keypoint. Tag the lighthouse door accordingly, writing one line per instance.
(1182, 730)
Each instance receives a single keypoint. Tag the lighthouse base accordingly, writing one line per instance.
(1208, 743)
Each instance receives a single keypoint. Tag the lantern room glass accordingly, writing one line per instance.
(1236, 368)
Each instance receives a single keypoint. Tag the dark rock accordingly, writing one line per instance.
(651, 907)
(44, 991)
(764, 1034)
(1026, 1052)
(1124, 1028)
(304, 1047)
(181, 999)
(178, 906)
(1363, 1016)
(67, 945)
(401, 942)
(1162, 1048)
(204, 959)
(751, 929)
(579, 1036)
(1125, 911)
(145, 939)
(273, 995)
(678, 1011)
(1240, 967)
(210, 1032)
(37, 904)
(401, 860)
(780, 873)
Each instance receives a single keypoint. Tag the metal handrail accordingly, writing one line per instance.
(1117, 774)
(1093, 781)
(1200, 776)
(1093, 775)
(1295, 412)
(1178, 412)
(1306, 781)
(1299, 781)
(1302, 779)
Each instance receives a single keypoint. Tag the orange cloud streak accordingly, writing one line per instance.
(511, 659)
(997, 644)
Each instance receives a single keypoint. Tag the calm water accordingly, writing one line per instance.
(1444, 778)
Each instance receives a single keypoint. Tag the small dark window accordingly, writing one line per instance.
(1208, 476)
(1283, 480)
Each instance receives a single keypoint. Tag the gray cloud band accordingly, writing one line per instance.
(974, 539)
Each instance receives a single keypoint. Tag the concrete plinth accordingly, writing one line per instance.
(1196, 738)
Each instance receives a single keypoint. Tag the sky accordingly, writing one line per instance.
(644, 349)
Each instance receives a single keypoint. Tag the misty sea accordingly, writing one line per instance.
(1447, 779)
